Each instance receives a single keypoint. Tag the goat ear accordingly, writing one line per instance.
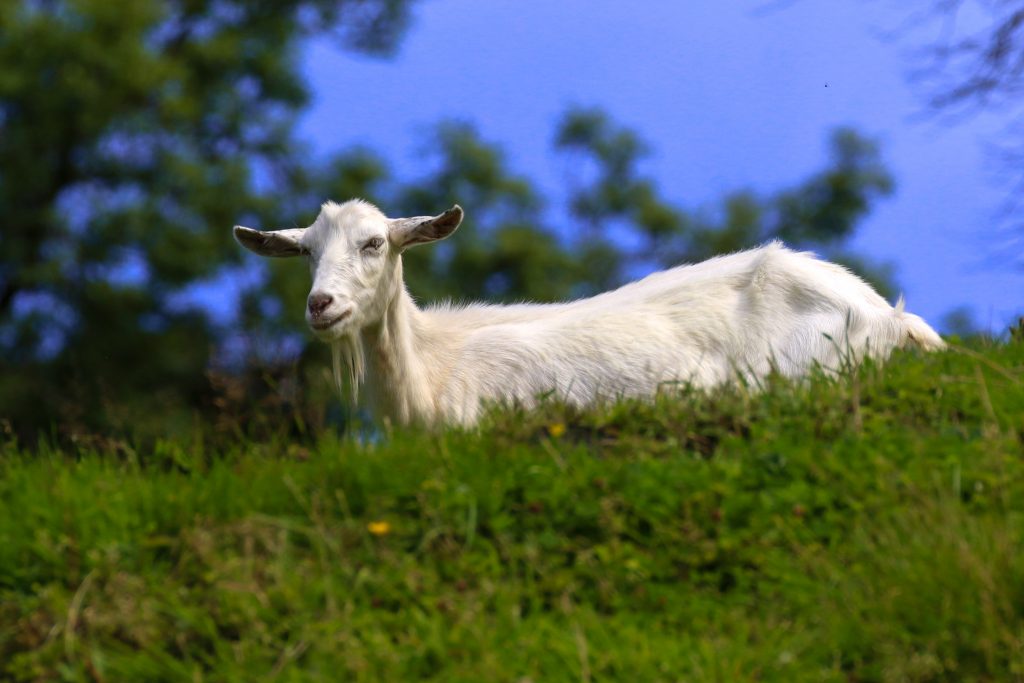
(406, 232)
(271, 242)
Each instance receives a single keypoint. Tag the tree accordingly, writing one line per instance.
(976, 58)
(968, 59)
(132, 135)
(821, 213)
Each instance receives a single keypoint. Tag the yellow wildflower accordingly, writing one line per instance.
(556, 430)
(380, 528)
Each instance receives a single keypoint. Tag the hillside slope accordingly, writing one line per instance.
(865, 529)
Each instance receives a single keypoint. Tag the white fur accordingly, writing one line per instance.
(731, 317)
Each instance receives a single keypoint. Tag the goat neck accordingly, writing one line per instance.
(400, 352)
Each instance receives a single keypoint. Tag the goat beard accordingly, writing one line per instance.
(347, 353)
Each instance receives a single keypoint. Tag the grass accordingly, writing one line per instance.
(863, 529)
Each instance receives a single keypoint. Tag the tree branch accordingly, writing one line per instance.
(7, 294)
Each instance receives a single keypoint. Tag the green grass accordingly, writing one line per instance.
(865, 529)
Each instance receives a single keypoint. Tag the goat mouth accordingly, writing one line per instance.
(322, 325)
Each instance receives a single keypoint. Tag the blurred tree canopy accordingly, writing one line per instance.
(133, 135)
(966, 59)
(975, 65)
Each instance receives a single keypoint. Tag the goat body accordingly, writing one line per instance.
(733, 316)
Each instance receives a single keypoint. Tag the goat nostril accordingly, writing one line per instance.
(318, 303)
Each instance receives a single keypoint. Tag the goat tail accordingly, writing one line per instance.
(919, 333)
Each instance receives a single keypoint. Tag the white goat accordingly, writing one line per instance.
(740, 315)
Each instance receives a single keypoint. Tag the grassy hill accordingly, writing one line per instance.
(863, 529)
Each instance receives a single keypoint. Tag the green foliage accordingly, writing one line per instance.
(820, 213)
(861, 528)
(503, 250)
(132, 136)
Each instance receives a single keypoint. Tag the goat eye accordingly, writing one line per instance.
(373, 244)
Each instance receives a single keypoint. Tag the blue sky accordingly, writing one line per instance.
(727, 96)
